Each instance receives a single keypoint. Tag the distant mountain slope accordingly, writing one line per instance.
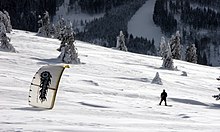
(142, 25)
(110, 92)
(198, 22)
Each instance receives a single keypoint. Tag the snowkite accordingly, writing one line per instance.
(44, 86)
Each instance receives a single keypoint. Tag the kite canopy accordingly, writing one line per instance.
(44, 86)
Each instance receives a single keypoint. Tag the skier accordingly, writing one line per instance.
(163, 97)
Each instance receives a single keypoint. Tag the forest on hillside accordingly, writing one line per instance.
(197, 20)
(104, 31)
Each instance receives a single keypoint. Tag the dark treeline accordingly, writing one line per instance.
(107, 28)
(197, 17)
(209, 3)
(163, 18)
(205, 18)
(142, 46)
(24, 13)
(99, 6)
(191, 17)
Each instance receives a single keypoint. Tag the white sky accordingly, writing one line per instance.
(110, 92)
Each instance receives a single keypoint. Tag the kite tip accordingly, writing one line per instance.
(66, 66)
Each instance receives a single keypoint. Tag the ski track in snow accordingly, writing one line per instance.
(142, 25)
(110, 92)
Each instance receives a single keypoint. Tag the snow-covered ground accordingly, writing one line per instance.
(110, 92)
(142, 25)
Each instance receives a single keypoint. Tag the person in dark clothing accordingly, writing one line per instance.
(163, 97)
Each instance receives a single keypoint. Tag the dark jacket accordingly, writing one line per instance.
(163, 95)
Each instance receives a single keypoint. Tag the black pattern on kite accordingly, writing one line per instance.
(45, 81)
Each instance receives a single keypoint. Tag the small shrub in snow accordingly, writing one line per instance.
(157, 79)
(5, 45)
(217, 97)
(184, 73)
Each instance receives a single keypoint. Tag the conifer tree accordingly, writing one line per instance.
(5, 19)
(45, 30)
(175, 46)
(191, 55)
(121, 42)
(166, 55)
(7, 22)
(2, 28)
(69, 53)
(163, 48)
(60, 28)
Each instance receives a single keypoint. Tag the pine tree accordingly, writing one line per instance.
(163, 48)
(69, 53)
(60, 28)
(175, 46)
(5, 19)
(191, 55)
(7, 22)
(45, 30)
(121, 42)
(166, 55)
(2, 28)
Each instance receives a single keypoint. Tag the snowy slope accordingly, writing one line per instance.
(110, 92)
(142, 25)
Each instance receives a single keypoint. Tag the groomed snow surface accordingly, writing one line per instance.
(110, 92)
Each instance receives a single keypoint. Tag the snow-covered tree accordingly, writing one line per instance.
(191, 55)
(166, 55)
(60, 28)
(121, 42)
(5, 45)
(168, 62)
(69, 53)
(2, 28)
(44, 30)
(175, 46)
(157, 79)
(8, 22)
(5, 19)
(163, 48)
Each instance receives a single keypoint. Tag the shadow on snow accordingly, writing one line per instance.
(92, 105)
(30, 109)
(188, 101)
(48, 61)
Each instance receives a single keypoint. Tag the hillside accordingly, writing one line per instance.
(142, 25)
(198, 22)
(110, 92)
